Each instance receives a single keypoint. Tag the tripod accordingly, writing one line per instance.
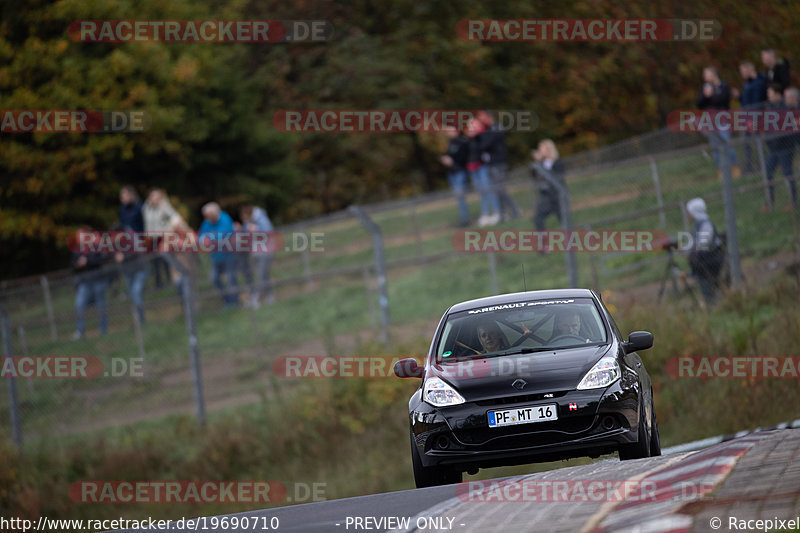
(672, 273)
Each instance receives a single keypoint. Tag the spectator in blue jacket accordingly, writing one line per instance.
(218, 225)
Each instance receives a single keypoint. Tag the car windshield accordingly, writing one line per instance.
(521, 327)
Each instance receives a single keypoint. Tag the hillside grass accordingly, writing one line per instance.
(350, 435)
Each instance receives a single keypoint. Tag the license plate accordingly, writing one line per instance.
(523, 415)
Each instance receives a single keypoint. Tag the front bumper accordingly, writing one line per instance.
(592, 422)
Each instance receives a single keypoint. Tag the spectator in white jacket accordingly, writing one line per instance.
(159, 215)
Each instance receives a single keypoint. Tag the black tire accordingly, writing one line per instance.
(431, 476)
(640, 449)
(655, 438)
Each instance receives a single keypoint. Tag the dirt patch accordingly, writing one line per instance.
(601, 200)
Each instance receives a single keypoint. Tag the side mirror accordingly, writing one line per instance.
(638, 340)
(408, 368)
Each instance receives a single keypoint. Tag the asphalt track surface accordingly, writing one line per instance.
(686, 490)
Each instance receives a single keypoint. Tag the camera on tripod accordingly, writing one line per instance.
(671, 244)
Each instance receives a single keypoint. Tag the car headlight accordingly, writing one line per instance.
(605, 372)
(439, 394)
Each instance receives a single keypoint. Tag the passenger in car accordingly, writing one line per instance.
(490, 337)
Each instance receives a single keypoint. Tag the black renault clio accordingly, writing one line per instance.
(528, 377)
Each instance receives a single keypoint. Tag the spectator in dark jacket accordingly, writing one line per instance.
(791, 97)
(495, 155)
(752, 96)
(780, 146)
(130, 209)
(715, 95)
(91, 283)
(777, 69)
(134, 266)
(754, 90)
(456, 162)
(546, 155)
(479, 174)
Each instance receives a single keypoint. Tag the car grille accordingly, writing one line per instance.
(520, 399)
(535, 434)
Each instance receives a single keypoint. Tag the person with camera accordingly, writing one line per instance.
(707, 254)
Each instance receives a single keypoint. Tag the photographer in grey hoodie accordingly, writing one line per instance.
(707, 254)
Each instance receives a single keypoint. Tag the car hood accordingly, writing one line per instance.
(543, 372)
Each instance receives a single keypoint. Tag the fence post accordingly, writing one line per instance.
(380, 266)
(23, 343)
(48, 302)
(724, 148)
(189, 310)
(685, 217)
(566, 219)
(137, 330)
(763, 164)
(306, 256)
(534, 195)
(194, 349)
(593, 264)
(368, 289)
(417, 232)
(13, 403)
(659, 198)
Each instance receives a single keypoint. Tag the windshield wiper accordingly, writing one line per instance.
(521, 351)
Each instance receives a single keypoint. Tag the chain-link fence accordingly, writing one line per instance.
(191, 353)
